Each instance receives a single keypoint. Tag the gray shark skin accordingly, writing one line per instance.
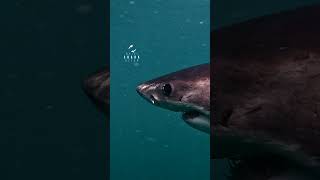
(266, 89)
(186, 91)
(97, 88)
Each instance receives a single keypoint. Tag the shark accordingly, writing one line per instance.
(186, 91)
(259, 98)
(97, 87)
(266, 82)
(265, 93)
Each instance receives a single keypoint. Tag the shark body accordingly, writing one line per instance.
(265, 93)
(266, 76)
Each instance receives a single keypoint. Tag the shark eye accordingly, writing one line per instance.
(166, 89)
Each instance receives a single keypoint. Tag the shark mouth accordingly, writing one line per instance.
(194, 115)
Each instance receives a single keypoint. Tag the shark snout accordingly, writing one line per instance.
(97, 88)
(145, 91)
(139, 90)
(89, 86)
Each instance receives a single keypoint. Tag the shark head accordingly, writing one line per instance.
(96, 87)
(186, 91)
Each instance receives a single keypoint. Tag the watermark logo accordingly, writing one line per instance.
(131, 55)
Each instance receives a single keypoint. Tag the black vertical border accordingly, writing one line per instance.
(107, 24)
(212, 95)
(104, 20)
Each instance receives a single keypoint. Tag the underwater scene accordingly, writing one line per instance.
(49, 127)
(148, 142)
(168, 47)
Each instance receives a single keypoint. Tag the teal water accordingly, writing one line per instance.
(152, 143)
(148, 142)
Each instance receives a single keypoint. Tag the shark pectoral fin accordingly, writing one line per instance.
(200, 122)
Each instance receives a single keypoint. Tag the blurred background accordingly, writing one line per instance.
(48, 128)
(227, 12)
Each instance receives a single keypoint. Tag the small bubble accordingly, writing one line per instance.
(201, 22)
(84, 8)
(203, 44)
(9, 93)
(12, 76)
(49, 107)
(130, 21)
(124, 85)
(138, 131)
(132, 2)
(151, 139)
(156, 12)
(283, 48)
